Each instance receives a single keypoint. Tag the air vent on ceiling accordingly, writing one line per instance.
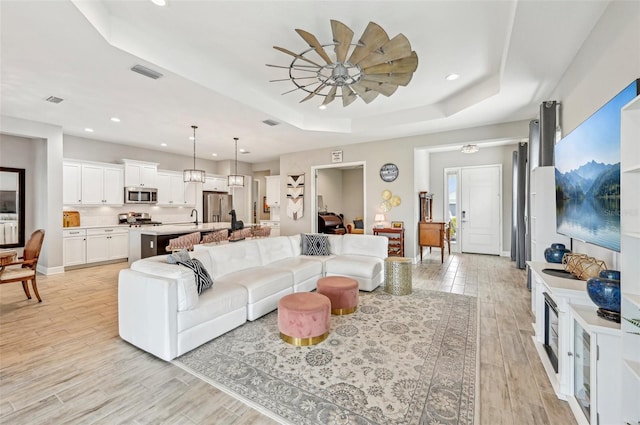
(271, 122)
(54, 99)
(244, 152)
(143, 70)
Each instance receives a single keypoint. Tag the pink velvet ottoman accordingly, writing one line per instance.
(342, 291)
(304, 318)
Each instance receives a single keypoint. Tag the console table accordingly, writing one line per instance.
(396, 240)
(432, 233)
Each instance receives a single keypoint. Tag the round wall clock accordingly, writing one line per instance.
(389, 172)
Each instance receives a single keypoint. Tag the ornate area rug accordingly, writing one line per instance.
(396, 360)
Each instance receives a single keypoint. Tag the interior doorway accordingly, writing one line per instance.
(451, 208)
(341, 189)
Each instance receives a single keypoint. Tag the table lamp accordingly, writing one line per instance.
(379, 219)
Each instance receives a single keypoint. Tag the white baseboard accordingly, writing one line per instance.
(50, 270)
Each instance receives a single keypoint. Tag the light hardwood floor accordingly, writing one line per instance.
(61, 361)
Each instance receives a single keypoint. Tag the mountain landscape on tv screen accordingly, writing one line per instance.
(588, 203)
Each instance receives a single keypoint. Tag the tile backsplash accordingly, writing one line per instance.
(97, 216)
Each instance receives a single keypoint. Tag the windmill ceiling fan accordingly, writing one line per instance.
(376, 65)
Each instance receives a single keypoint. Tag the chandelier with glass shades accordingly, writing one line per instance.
(372, 66)
(192, 175)
(235, 180)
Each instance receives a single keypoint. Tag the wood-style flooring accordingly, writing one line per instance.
(62, 362)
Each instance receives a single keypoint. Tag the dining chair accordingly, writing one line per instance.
(27, 270)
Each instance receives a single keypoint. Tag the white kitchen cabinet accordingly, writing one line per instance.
(216, 184)
(102, 184)
(596, 373)
(173, 191)
(273, 191)
(275, 226)
(106, 244)
(140, 174)
(71, 182)
(74, 245)
(86, 246)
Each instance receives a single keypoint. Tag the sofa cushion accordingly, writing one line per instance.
(368, 245)
(260, 282)
(221, 299)
(275, 249)
(358, 224)
(315, 244)
(335, 244)
(296, 244)
(303, 268)
(355, 265)
(233, 257)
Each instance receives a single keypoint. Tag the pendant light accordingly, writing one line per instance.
(235, 180)
(193, 175)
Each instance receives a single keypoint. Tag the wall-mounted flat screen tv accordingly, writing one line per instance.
(587, 170)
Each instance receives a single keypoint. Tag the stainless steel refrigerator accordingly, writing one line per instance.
(216, 206)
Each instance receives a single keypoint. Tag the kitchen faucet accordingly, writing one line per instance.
(195, 211)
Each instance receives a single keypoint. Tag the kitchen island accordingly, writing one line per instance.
(148, 241)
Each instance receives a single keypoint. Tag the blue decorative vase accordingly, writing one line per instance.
(605, 293)
(555, 253)
(610, 274)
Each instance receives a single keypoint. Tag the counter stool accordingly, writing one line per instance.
(304, 318)
(342, 291)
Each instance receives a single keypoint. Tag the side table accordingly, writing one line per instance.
(397, 275)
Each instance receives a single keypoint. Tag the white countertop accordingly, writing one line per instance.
(557, 283)
(173, 229)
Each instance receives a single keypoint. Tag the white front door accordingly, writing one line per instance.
(480, 207)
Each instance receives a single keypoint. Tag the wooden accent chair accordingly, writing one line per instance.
(29, 262)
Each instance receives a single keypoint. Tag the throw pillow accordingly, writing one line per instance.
(203, 280)
(358, 224)
(315, 244)
(182, 255)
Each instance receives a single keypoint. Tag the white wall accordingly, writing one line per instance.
(399, 152)
(329, 185)
(352, 195)
(608, 61)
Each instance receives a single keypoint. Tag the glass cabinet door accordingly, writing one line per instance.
(581, 369)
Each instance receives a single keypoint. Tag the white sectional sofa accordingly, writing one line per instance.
(160, 311)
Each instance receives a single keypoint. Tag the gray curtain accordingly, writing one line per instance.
(533, 158)
(519, 225)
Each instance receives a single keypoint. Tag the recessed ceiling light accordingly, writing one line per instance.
(214, 154)
(163, 144)
(115, 119)
(89, 130)
(242, 150)
(322, 107)
(159, 2)
(191, 138)
(452, 77)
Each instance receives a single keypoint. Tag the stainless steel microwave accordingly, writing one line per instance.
(140, 195)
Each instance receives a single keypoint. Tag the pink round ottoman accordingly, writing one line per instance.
(304, 318)
(342, 291)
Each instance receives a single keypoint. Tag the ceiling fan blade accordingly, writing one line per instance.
(396, 48)
(400, 66)
(365, 94)
(313, 93)
(313, 42)
(330, 96)
(382, 88)
(372, 38)
(342, 36)
(295, 55)
(348, 96)
(399, 79)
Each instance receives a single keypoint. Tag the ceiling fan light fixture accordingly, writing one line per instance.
(452, 77)
(235, 180)
(470, 148)
(374, 64)
(193, 175)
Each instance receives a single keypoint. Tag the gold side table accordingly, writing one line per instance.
(397, 275)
